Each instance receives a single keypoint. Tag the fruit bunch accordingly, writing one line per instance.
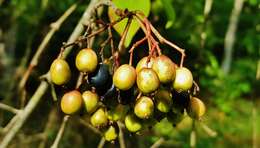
(139, 96)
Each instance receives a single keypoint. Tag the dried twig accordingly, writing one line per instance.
(158, 143)
(9, 108)
(60, 133)
(230, 36)
(42, 88)
(54, 27)
(121, 135)
(208, 130)
(102, 142)
(93, 129)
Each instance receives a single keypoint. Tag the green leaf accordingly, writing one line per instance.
(142, 5)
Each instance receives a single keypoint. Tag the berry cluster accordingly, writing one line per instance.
(140, 96)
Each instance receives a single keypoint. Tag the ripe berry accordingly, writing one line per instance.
(117, 113)
(132, 123)
(164, 68)
(86, 60)
(144, 107)
(163, 100)
(124, 77)
(147, 80)
(196, 108)
(100, 77)
(71, 102)
(143, 63)
(90, 100)
(180, 100)
(99, 118)
(111, 133)
(60, 72)
(183, 80)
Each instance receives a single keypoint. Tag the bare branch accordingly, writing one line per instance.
(42, 88)
(54, 27)
(61, 131)
(93, 129)
(121, 135)
(9, 108)
(208, 130)
(24, 114)
(102, 142)
(158, 143)
(230, 36)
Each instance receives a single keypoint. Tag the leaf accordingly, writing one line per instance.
(142, 5)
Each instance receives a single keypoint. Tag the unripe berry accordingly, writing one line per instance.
(86, 60)
(111, 133)
(124, 77)
(144, 107)
(147, 80)
(99, 118)
(196, 108)
(60, 72)
(90, 100)
(71, 102)
(143, 64)
(164, 68)
(183, 80)
(132, 123)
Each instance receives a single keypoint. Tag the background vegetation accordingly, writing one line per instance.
(228, 82)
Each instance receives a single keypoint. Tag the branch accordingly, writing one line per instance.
(50, 125)
(24, 114)
(158, 143)
(230, 36)
(54, 27)
(208, 130)
(121, 135)
(85, 19)
(102, 142)
(9, 108)
(93, 129)
(193, 135)
(42, 88)
(61, 131)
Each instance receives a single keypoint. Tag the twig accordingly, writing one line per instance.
(80, 80)
(23, 115)
(102, 142)
(86, 19)
(54, 27)
(93, 129)
(10, 124)
(124, 35)
(9, 108)
(208, 130)
(193, 135)
(61, 131)
(121, 135)
(136, 44)
(158, 143)
(230, 36)
(53, 92)
(50, 125)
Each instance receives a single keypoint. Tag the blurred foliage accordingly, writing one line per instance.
(24, 23)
